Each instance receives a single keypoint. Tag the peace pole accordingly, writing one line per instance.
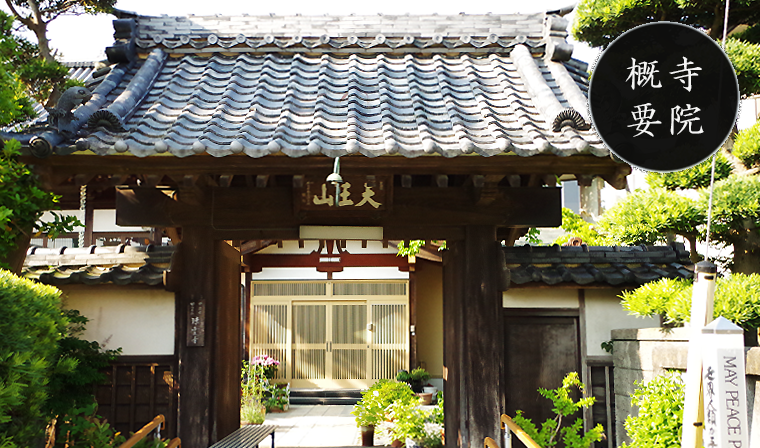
(701, 313)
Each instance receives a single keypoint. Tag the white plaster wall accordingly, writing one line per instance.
(605, 313)
(540, 298)
(139, 319)
(289, 274)
(376, 273)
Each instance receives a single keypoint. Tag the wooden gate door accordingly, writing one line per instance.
(541, 347)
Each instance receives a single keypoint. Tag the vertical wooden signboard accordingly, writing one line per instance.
(196, 323)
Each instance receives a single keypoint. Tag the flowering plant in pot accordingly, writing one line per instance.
(268, 365)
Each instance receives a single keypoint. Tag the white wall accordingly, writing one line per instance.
(139, 319)
(540, 298)
(605, 313)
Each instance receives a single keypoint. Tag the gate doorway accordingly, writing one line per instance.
(541, 346)
(332, 334)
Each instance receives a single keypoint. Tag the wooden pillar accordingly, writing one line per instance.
(89, 221)
(413, 359)
(473, 339)
(209, 339)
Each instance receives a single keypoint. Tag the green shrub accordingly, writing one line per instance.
(695, 177)
(747, 146)
(373, 407)
(29, 332)
(83, 428)
(252, 411)
(735, 299)
(79, 367)
(564, 406)
(659, 421)
(575, 226)
(647, 216)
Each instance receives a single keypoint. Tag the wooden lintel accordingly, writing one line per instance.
(419, 207)
(253, 246)
(319, 165)
(258, 261)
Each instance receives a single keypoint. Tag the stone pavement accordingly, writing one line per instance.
(314, 426)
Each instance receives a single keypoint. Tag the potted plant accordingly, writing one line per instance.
(417, 427)
(268, 365)
(373, 408)
(416, 378)
(277, 398)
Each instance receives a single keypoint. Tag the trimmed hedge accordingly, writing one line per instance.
(31, 325)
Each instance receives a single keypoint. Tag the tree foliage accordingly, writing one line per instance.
(648, 216)
(30, 329)
(692, 178)
(22, 203)
(72, 388)
(576, 227)
(15, 106)
(564, 406)
(672, 299)
(599, 22)
(660, 417)
(36, 15)
(747, 146)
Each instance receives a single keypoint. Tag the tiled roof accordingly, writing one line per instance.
(586, 265)
(328, 33)
(86, 72)
(371, 85)
(121, 265)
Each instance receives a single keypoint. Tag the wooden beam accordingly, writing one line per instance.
(419, 207)
(262, 180)
(253, 246)
(442, 181)
(319, 165)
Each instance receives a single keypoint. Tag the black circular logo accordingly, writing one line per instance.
(663, 96)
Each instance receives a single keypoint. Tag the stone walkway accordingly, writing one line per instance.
(314, 426)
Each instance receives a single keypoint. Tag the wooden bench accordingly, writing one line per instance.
(247, 436)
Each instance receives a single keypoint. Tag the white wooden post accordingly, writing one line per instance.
(701, 312)
(724, 385)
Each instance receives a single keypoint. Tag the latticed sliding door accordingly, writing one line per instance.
(348, 347)
(390, 343)
(309, 341)
(332, 334)
(269, 334)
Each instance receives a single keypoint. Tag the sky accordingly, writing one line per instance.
(84, 38)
